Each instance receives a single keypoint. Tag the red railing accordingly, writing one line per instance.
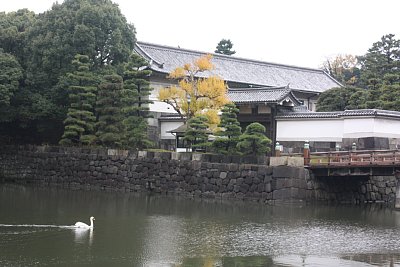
(355, 158)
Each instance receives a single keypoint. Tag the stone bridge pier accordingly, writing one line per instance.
(397, 203)
(358, 184)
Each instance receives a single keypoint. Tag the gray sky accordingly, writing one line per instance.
(294, 32)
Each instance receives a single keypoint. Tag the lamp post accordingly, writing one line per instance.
(354, 147)
(306, 153)
(277, 149)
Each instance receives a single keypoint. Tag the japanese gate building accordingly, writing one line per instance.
(261, 90)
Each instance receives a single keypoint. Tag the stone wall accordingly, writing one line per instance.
(165, 173)
(192, 175)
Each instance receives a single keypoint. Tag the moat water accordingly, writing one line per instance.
(142, 230)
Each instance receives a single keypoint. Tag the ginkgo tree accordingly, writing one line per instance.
(194, 95)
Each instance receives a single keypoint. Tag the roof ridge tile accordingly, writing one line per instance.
(229, 58)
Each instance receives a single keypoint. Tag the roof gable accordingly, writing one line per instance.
(277, 95)
(164, 59)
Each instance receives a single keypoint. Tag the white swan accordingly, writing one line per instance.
(84, 225)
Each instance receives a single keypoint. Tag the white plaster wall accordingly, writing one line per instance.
(387, 128)
(329, 130)
(159, 106)
(333, 130)
(358, 127)
(168, 126)
(371, 127)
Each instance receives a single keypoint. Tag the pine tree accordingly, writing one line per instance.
(228, 137)
(80, 122)
(110, 130)
(382, 58)
(225, 47)
(136, 102)
(196, 133)
(253, 141)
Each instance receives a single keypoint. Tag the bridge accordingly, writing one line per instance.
(360, 158)
(354, 163)
(362, 168)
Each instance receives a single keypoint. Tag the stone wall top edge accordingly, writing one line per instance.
(186, 156)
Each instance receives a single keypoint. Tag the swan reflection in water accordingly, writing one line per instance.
(83, 235)
(82, 230)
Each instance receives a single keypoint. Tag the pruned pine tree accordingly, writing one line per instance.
(253, 141)
(135, 102)
(228, 136)
(110, 130)
(79, 126)
(196, 133)
(225, 47)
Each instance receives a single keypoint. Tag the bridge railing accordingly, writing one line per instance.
(356, 158)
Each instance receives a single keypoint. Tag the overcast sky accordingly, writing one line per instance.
(295, 32)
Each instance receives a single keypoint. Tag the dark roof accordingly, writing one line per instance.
(262, 95)
(170, 117)
(180, 129)
(164, 59)
(183, 128)
(340, 114)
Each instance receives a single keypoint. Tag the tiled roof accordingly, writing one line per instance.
(180, 129)
(164, 59)
(170, 117)
(261, 95)
(339, 114)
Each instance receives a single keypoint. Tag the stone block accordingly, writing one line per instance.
(249, 160)
(248, 180)
(295, 193)
(223, 175)
(282, 183)
(363, 189)
(388, 190)
(244, 188)
(253, 188)
(216, 158)
(303, 183)
(196, 165)
(268, 188)
(260, 188)
(183, 156)
(233, 167)
(142, 154)
(236, 159)
(281, 194)
(278, 161)
(197, 157)
(174, 155)
(295, 161)
(236, 188)
(267, 179)
(286, 172)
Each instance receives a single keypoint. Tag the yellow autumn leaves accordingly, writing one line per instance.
(196, 95)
